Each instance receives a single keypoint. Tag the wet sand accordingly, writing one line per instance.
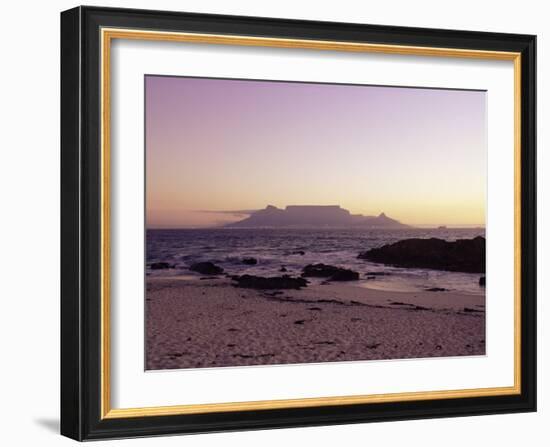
(194, 323)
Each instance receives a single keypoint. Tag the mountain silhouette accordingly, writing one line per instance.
(313, 216)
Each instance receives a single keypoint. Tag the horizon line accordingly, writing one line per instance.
(224, 227)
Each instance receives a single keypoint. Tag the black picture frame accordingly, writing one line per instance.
(81, 209)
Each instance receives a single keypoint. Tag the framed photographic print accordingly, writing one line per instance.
(277, 223)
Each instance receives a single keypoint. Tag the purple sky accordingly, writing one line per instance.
(419, 155)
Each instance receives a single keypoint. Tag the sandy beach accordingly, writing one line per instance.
(193, 323)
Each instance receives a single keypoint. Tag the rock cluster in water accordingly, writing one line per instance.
(206, 268)
(161, 266)
(462, 255)
(329, 271)
(274, 282)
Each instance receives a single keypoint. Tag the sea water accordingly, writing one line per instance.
(293, 249)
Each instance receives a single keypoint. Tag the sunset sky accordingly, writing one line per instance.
(419, 155)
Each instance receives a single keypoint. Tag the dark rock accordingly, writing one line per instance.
(161, 266)
(482, 281)
(275, 282)
(462, 255)
(283, 269)
(469, 310)
(371, 277)
(329, 271)
(299, 252)
(377, 273)
(250, 261)
(345, 275)
(437, 289)
(206, 268)
(299, 321)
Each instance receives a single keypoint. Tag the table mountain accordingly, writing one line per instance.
(314, 216)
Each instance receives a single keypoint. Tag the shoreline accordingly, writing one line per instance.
(194, 323)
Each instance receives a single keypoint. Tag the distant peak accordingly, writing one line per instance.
(314, 216)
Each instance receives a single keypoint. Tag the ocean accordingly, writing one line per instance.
(296, 248)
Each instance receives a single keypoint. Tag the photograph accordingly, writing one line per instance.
(293, 222)
(289, 220)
